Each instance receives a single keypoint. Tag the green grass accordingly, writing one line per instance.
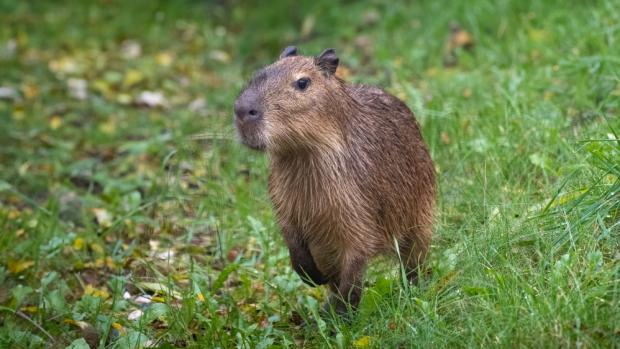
(100, 196)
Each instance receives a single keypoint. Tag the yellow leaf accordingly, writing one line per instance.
(18, 113)
(537, 35)
(164, 58)
(16, 267)
(14, 214)
(78, 244)
(30, 90)
(99, 263)
(30, 309)
(221, 56)
(118, 327)
(96, 292)
(63, 65)
(104, 218)
(362, 342)
(132, 77)
(98, 249)
(158, 299)
(79, 324)
(123, 98)
(547, 95)
(108, 127)
(109, 262)
(55, 122)
(102, 87)
(200, 297)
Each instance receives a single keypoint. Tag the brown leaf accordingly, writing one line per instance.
(458, 39)
(445, 138)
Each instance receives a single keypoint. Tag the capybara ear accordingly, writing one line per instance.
(327, 61)
(289, 51)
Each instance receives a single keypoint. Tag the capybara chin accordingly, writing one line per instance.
(351, 176)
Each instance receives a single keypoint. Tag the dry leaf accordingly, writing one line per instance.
(8, 93)
(458, 38)
(131, 49)
(104, 218)
(78, 88)
(307, 26)
(445, 138)
(362, 342)
(55, 122)
(134, 315)
(16, 267)
(151, 99)
(132, 77)
(164, 58)
(220, 56)
(96, 292)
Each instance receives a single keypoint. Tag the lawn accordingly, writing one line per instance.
(130, 216)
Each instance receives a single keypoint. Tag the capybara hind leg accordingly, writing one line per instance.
(346, 290)
(412, 252)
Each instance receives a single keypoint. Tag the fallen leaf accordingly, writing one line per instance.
(445, 138)
(197, 105)
(9, 48)
(16, 267)
(164, 58)
(143, 300)
(118, 327)
(220, 56)
(30, 90)
(55, 122)
(362, 342)
(134, 315)
(108, 127)
(167, 255)
(96, 248)
(233, 253)
(90, 334)
(460, 38)
(371, 16)
(457, 39)
(63, 65)
(307, 26)
(78, 244)
(131, 49)
(132, 77)
(104, 218)
(30, 309)
(159, 288)
(96, 292)
(151, 99)
(8, 93)
(200, 297)
(78, 88)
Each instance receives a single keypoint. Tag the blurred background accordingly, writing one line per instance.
(131, 217)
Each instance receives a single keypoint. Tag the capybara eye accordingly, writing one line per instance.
(302, 83)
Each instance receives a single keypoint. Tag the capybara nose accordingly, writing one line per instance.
(246, 109)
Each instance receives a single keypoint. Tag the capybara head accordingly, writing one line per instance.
(286, 106)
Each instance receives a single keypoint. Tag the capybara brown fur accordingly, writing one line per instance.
(351, 176)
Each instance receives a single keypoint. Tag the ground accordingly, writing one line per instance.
(130, 216)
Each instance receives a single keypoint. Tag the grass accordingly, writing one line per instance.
(104, 198)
